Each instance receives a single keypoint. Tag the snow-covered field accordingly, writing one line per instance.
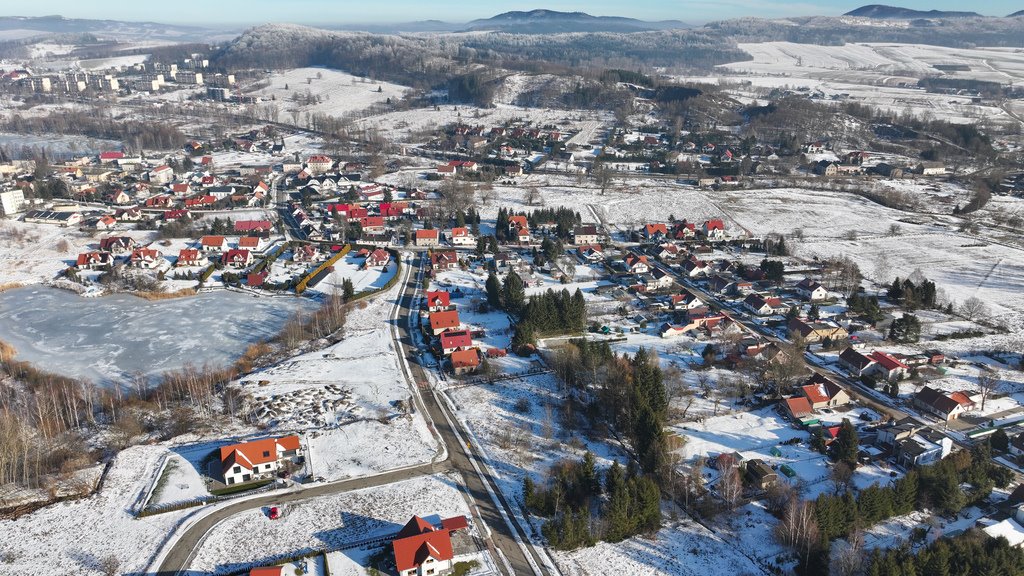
(74, 537)
(250, 538)
(351, 267)
(339, 94)
(680, 549)
(881, 75)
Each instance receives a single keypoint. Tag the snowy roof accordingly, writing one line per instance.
(1009, 529)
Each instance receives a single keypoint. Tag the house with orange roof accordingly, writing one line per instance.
(823, 393)
(465, 361)
(257, 459)
(461, 236)
(421, 548)
(145, 258)
(189, 257)
(438, 300)
(444, 320)
(426, 238)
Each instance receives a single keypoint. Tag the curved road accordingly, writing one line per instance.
(460, 458)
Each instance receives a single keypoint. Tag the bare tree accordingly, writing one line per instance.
(109, 565)
(799, 527)
(988, 382)
(973, 307)
(531, 195)
(841, 474)
(730, 485)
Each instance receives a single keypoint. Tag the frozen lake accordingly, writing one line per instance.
(109, 338)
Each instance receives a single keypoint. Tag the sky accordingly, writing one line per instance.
(330, 12)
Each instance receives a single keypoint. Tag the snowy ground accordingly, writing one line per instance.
(339, 94)
(180, 482)
(368, 446)
(73, 537)
(250, 538)
(683, 549)
(351, 267)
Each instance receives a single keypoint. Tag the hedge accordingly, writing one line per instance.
(301, 287)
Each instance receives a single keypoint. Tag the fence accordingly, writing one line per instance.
(317, 274)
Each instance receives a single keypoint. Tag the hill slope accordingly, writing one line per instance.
(103, 28)
(552, 22)
(882, 11)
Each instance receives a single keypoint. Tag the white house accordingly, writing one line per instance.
(811, 290)
(461, 236)
(256, 459)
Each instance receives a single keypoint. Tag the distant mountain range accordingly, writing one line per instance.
(554, 22)
(1016, 14)
(23, 27)
(883, 12)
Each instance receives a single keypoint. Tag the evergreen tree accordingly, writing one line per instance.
(347, 289)
(513, 294)
(494, 291)
(847, 444)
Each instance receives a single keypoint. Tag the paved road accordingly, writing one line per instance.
(180, 555)
(461, 458)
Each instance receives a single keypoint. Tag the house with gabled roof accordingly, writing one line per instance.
(714, 229)
(438, 300)
(94, 260)
(854, 361)
(822, 392)
(145, 258)
(443, 320)
(377, 258)
(887, 366)
(256, 459)
(656, 232)
(811, 290)
(453, 340)
(938, 403)
(426, 238)
(444, 260)
(422, 549)
(798, 408)
(189, 257)
(237, 258)
(762, 305)
(213, 243)
(817, 331)
(254, 243)
(636, 264)
(461, 236)
(585, 235)
(118, 244)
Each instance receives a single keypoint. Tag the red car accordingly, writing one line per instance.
(274, 513)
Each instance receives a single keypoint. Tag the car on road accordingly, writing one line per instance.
(274, 513)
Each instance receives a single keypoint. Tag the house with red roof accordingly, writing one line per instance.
(145, 258)
(257, 459)
(823, 393)
(887, 366)
(189, 257)
(254, 243)
(372, 225)
(442, 321)
(106, 222)
(110, 157)
(379, 257)
(253, 226)
(94, 260)
(427, 238)
(118, 244)
(438, 300)
(519, 228)
(172, 215)
(636, 264)
(714, 229)
(655, 232)
(319, 163)
(444, 260)
(798, 408)
(454, 340)
(237, 258)
(420, 548)
(213, 243)
(201, 201)
(460, 236)
(161, 175)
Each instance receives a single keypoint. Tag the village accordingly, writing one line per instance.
(518, 340)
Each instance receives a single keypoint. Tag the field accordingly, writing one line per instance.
(884, 76)
(74, 537)
(339, 94)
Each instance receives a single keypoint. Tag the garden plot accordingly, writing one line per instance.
(326, 91)
(250, 538)
(312, 406)
(75, 537)
(35, 253)
(417, 124)
(681, 549)
(181, 481)
(363, 279)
